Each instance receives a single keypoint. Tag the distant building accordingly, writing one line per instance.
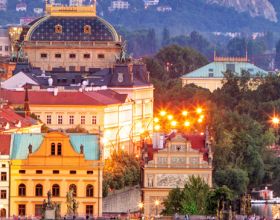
(76, 2)
(4, 43)
(38, 11)
(164, 8)
(3, 5)
(55, 162)
(5, 141)
(148, 3)
(170, 167)
(26, 20)
(6, 68)
(21, 7)
(211, 75)
(118, 5)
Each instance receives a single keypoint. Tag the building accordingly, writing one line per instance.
(4, 43)
(11, 122)
(21, 7)
(38, 11)
(118, 5)
(164, 8)
(168, 168)
(76, 2)
(148, 3)
(74, 38)
(55, 162)
(211, 75)
(3, 5)
(5, 141)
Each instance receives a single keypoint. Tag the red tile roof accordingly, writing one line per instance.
(197, 141)
(5, 141)
(8, 115)
(99, 98)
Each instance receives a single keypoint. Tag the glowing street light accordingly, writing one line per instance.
(275, 120)
(187, 124)
(141, 205)
(173, 123)
(157, 127)
(170, 117)
(184, 113)
(162, 113)
(200, 120)
(156, 120)
(156, 204)
(199, 110)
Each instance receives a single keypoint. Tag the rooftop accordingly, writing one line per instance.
(5, 143)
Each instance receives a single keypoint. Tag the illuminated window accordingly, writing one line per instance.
(59, 119)
(71, 119)
(89, 190)
(87, 29)
(21, 190)
(55, 190)
(59, 149)
(58, 29)
(93, 120)
(39, 190)
(83, 120)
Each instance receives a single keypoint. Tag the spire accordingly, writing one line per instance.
(214, 54)
(26, 102)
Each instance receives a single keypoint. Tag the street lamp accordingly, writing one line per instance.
(156, 204)
(141, 207)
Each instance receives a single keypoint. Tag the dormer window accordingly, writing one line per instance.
(18, 124)
(58, 29)
(87, 29)
(7, 126)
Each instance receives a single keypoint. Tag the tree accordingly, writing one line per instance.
(165, 37)
(172, 203)
(237, 47)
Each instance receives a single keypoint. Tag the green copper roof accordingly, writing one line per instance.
(20, 143)
(90, 143)
(216, 70)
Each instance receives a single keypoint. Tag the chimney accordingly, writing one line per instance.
(26, 102)
(55, 91)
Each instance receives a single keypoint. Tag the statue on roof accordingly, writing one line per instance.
(123, 58)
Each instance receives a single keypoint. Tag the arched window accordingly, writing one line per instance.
(87, 29)
(39, 190)
(55, 190)
(53, 149)
(89, 190)
(59, 149)
(21, 190)
(74, 188)
(58, 29)
(3, 213)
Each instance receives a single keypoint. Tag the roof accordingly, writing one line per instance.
(217, 70)
(73, 29)
(14, 120)
(5, 143)
(22, 141)
(90, 143)
(97, 98)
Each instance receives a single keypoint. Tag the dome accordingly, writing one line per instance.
(71, 28)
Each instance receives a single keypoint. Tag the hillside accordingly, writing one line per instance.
(186, 15)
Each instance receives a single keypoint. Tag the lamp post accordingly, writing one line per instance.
(275, 122)
(156, 204)
(141, 208)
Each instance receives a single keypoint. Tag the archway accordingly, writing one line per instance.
(3, 213)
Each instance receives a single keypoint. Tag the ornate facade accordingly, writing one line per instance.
(170, 167)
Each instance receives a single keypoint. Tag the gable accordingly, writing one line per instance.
(18, 81)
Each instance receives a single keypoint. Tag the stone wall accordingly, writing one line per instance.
(122, 200)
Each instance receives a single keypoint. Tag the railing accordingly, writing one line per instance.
(181, 166)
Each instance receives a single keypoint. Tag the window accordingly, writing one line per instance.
(1, 48)
(6, 48)
(59, 119)
(55, 190)
(55, 171)
(82, 68)
(3, 194)
(58, 29)
(21, 210)
(73, 172)
(3, 176)
(72, 68)
(49, 119)
(89, 190)
(39, 190)
(3, 165)
(71, 119)
(230, 67)
(38, 210)
(101, 56)
(211, 74)
(3, 213)
(38, 117)
(74, 188)
(86, 56)
(93, 120)
(57, 55)
(21, 171)
(83, 120)
(89, 210)
(72, 55)
(53, 149)
(87, 29)
(21, 190)
(89, 172)
(59, 149)
(39, 171)
(44, 55)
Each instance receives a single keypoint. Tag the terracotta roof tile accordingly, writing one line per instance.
(5, 141)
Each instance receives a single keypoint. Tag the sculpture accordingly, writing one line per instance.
(50, 210)
(72, 204)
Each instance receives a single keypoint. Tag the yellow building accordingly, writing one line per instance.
(170, 167)
(56, 162)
